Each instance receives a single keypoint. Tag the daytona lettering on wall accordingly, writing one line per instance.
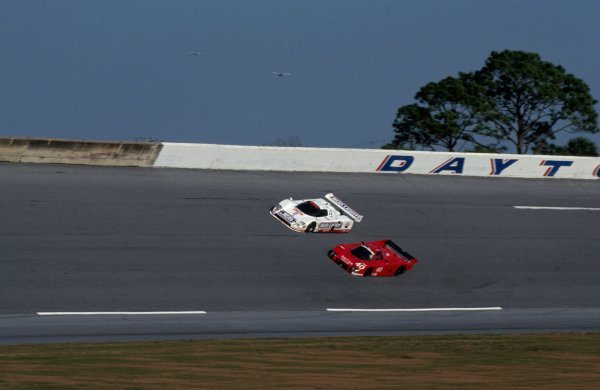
(306, 159)
(473, 166)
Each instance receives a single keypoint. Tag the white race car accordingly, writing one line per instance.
(316, 215)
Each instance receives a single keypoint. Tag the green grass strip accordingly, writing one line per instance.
(564, 360)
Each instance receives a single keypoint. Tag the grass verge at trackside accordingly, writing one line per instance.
(569, 360)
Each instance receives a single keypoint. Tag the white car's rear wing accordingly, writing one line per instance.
(343, 207)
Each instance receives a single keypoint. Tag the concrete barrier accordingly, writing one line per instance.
(208, 156)
(83, 152)
(271, 158)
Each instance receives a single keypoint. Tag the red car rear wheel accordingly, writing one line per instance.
(400, 270)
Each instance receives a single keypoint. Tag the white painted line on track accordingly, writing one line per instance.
(115, 313)
(416, 310)
(557, 208)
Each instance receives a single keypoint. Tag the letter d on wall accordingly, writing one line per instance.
(395, 163)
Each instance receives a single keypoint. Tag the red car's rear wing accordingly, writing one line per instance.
(394, 247)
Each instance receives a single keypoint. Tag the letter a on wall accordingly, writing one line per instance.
(452, 165)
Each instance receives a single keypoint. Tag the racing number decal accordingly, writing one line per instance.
(379, 269)
(361, 266)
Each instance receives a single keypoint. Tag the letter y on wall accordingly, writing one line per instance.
(499, 165)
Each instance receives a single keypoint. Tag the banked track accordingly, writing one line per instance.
(130, 240)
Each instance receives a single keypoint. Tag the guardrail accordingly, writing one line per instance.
(272, 158)
(208, 156)
(61, 151)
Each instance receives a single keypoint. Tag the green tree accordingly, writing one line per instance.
(446, 115)
(533, 100)
(581, 146)
(578, 146)
(516, 98)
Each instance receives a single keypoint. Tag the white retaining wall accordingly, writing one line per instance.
(207, 156)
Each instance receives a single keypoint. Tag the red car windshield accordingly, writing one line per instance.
(361, 252)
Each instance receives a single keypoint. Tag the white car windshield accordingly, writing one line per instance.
(311, 208)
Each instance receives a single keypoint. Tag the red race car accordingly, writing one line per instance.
(376, 258)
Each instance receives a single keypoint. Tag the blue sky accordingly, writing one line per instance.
(121, 69)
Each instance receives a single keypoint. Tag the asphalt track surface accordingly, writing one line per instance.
(99, 239)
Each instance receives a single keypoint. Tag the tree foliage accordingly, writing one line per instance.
(445, 115)
(578, 146)
(533, 100)
(516, 98)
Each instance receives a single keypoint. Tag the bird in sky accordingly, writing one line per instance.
(281, 74)
(194, 53)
